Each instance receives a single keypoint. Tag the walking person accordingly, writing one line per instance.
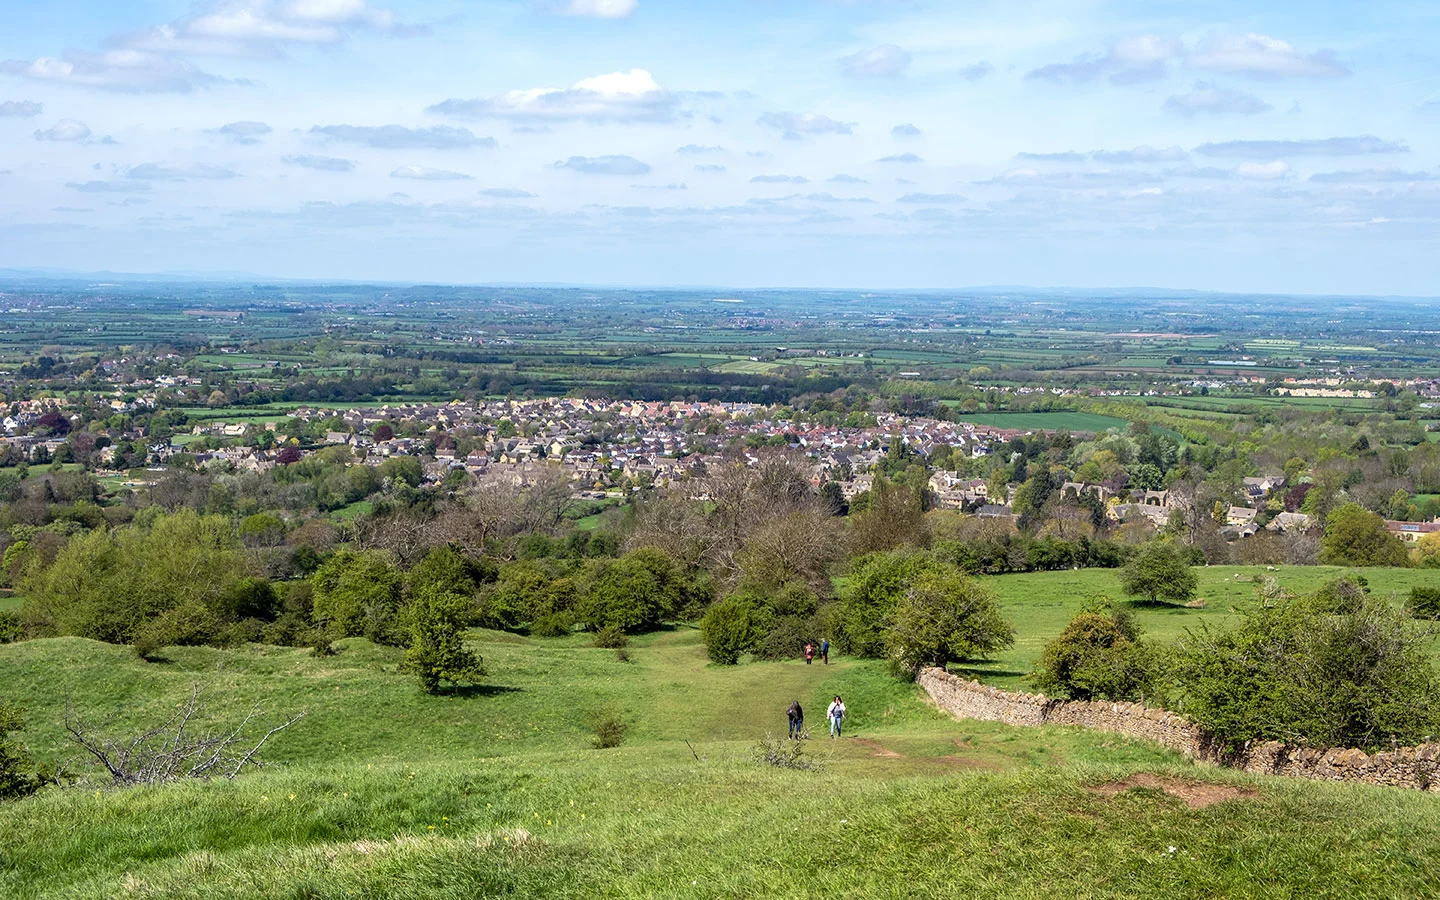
(809, 653)
(836, 714)
(796, 715)
(825, 651)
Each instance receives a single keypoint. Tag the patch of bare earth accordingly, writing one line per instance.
(1195, 794)
(880, 749)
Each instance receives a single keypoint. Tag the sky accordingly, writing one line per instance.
(1289, 147)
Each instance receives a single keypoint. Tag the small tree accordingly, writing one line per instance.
(732, 627)
(358, 593)
(945, 617)
(1354, 536)
(437, 651)
(1097, 656)
(17, 778)
(1424, 602)
(1159, 572)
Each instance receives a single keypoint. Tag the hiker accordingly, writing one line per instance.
(825, 651)
(836, 714)
(809, 654)
(796, 715)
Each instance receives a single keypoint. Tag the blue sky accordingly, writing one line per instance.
(1290, 147)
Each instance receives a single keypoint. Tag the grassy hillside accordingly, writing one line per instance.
(383, 792)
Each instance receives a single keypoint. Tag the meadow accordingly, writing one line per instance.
(495, 791)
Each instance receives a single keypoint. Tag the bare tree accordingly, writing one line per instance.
(170, 752)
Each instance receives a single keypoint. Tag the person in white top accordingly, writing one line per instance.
(836, 714)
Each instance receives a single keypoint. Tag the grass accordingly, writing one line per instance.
(384, 792)
(1041, 603)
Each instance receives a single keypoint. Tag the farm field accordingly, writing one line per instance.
(383, 792)
(1051, 421)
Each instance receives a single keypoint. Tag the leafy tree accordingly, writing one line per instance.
(943, 617)
(1159, 572)
(437, 654)
(1354, 536)
(446, 569)
(636, 592)
(874, 590)
(732, 627)
(1098, 656)
(358, 593)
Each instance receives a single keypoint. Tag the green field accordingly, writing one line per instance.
(384, 792)
(1048, 421)
(1041, 603)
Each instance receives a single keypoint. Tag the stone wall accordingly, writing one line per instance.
(1412, 767)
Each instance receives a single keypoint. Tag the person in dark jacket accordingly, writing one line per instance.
(796, 715)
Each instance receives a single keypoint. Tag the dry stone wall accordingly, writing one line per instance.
(1412, 767)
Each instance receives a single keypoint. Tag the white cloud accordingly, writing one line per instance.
(244, 132)
(1141, 154)
(422, 173)
(1371, 176)
(1060, 156)
(605, 165)
(20, 109)
(179, 172)
(631, 96)
(884, 61)
(843, 178)
(710, 168)
(795, 126)
(1336, 146)
(108, 187)
(901, 158)
(977, 71)
(698, 149)
(64, 130)
(905, 131)
(1262, 56)
(1213, 98)
(131, 71)
(599, 9)
(321, 163)
(931, 199)
(779, 179)
(398, 137)
(1139, 58)
(1268, 171)
(507, 194)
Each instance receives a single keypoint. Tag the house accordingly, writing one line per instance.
(1412, 532)
(1240, 516)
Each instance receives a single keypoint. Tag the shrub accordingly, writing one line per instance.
(783, 754)
(1098, 656)
(611, 638)
(609, 727)
(944, 617)
(11, 629)
(874, 590)
(437, 653)
(188, 625)
(1424, 602)
(1303, 674)
(732, 627)
(622, 655)
(17, 779)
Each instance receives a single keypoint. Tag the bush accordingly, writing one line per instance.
(1424, 602)
(1098, 656)
(783, 754)
(11, 629)
(17, 778)
(944, 617)
(188, 625)
(875, 588)
(732, 627)
(1300, 673)
(610, 638)
(437, 653)
(609, 727)
(1354, 536)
